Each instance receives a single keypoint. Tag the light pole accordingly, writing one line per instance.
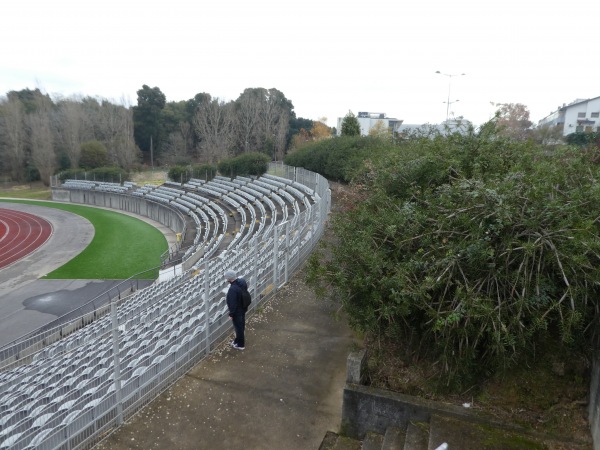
(448, 103)
(449, 75)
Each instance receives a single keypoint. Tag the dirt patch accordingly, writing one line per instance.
(149, 177)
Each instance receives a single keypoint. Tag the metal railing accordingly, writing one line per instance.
(92, 380)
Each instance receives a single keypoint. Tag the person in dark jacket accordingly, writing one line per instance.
(237, 312)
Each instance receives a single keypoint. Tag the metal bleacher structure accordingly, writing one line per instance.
(69, 386)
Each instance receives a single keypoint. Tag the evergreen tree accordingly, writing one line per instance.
(350, 125)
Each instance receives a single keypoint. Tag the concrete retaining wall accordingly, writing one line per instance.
(367, 409)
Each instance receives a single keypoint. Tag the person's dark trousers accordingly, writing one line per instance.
(239, 325)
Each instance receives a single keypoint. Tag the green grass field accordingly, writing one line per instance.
(122, 247)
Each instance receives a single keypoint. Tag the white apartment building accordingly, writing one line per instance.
(578, 116)
(368, 120)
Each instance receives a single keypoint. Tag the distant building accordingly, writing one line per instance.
(578, 116)
(446, 127)
(368, 120)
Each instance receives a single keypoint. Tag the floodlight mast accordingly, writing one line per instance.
(448, 102)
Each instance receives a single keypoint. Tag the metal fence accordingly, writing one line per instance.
(77, 388)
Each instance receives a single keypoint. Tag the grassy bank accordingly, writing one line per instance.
(33, 191)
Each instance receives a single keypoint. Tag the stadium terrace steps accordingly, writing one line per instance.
(66, 392)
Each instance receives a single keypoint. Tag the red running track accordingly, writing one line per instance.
(21, 233)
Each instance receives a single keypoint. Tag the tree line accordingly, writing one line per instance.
(41, 136)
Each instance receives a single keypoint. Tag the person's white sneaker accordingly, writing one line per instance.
(237, 347)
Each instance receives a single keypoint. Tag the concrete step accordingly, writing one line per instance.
(417, 436)
(394, 439)
(333, 441)
(372, 441)
(450, 433)
(346, 443)
(328, 441)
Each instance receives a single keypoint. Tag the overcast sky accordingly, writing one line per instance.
(326, 56)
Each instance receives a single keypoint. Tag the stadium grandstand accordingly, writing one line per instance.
(69, 385)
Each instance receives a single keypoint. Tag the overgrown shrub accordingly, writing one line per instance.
(245, 164)
(584, 139)
(469, 250)
(204, 172)
(179, 174)
(183, 174)
(103, 174)
(338, 158)
(93, 155)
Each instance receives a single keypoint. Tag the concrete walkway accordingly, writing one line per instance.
(284, 392)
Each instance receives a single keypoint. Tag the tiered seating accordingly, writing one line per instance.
(97, 186)
(142, 191)
(287, 186)
(112, 187)
(194, 183)
(48, 396)
(69, 384)
(78, 184)
(274, 194)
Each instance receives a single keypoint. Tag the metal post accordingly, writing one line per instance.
(255, 266)
(206, 307)
(275, 256)
(313, 226)
(287, 250)
(116, 360)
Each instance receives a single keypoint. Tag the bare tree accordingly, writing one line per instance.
(248, 112)
(179, 145)
(174, 150)
(275, 115)
(187, 135)
(115, 130)
(70, 124)
(214, 123)
(92, 115)
(41, 141)
(513, 120)
(12, 136)
(280, 133)
(129, 154)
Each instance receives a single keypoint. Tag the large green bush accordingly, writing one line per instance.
(469, 250)
(205, 172)
(184, 173)
(93, 155)
(179, 174)
(338, 158)
(245, 164)
(103, 174)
